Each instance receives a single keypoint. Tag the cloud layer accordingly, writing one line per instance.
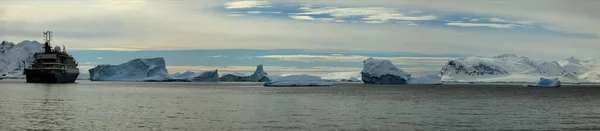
(534, 29)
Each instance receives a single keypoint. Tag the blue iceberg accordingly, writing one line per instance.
(544, 82)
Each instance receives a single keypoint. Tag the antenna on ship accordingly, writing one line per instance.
(64, 48)
(47, 38)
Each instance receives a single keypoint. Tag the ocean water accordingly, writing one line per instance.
(249, 106)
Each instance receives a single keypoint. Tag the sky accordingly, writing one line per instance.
(306, 35)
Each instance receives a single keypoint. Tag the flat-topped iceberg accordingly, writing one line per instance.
(153, 69)
(258, 76)
(544, 82)
(207, 76)
(298, 80)
(382, 72)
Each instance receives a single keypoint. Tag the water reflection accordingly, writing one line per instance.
(47, 110)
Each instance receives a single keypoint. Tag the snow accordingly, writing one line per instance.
(428, 79)
(385, 72)
(342, 76)
(378, 68)
(587, 70)
(153, 69)
(544, 82)
(299, 80)
(382, 72)
(14, 58)
(258, 76)
(207, 76)
(502, 68)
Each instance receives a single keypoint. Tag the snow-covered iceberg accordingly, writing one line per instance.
(16, 57)
(544, 82)
(298, 80)
(153, 69)
(258, 76)
(383, 72)
(428, 79)
(207, 76)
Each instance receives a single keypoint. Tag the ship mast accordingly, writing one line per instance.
(47, 38)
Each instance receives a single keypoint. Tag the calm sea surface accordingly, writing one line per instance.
(249, 106)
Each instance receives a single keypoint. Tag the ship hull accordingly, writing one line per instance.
(40, 76)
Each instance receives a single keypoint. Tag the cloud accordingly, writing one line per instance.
(302, 17)
(204, 24)
(374, 22)
(247, 4)
(368, 13)
(490, 25)
(121, 4)
(494, 19)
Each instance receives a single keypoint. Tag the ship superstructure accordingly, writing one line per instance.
(52, 66)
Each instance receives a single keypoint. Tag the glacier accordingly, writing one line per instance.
(298, 80)
(14, 58)
(503, 68)
(258, 76)
(152, 69)
(585, 70)
(545, 82)
(206, 76)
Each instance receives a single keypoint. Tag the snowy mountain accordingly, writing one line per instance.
(16, 57)
(503, 68)
(153, 69)
(586, 70)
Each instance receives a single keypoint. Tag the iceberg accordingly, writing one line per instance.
(382, 72)
(342, 76)
(298, 80)
(207, 76)
(14, 58)
(428, 80)
(153, 69)
(544, 82)
(258, 76)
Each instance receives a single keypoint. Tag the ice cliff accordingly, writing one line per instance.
(385, 72)
(16, 57)
(207, 76)
(258, 76)
(153, 69)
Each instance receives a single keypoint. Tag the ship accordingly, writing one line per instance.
(52, 66)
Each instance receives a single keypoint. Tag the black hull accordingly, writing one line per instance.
(51, 77)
